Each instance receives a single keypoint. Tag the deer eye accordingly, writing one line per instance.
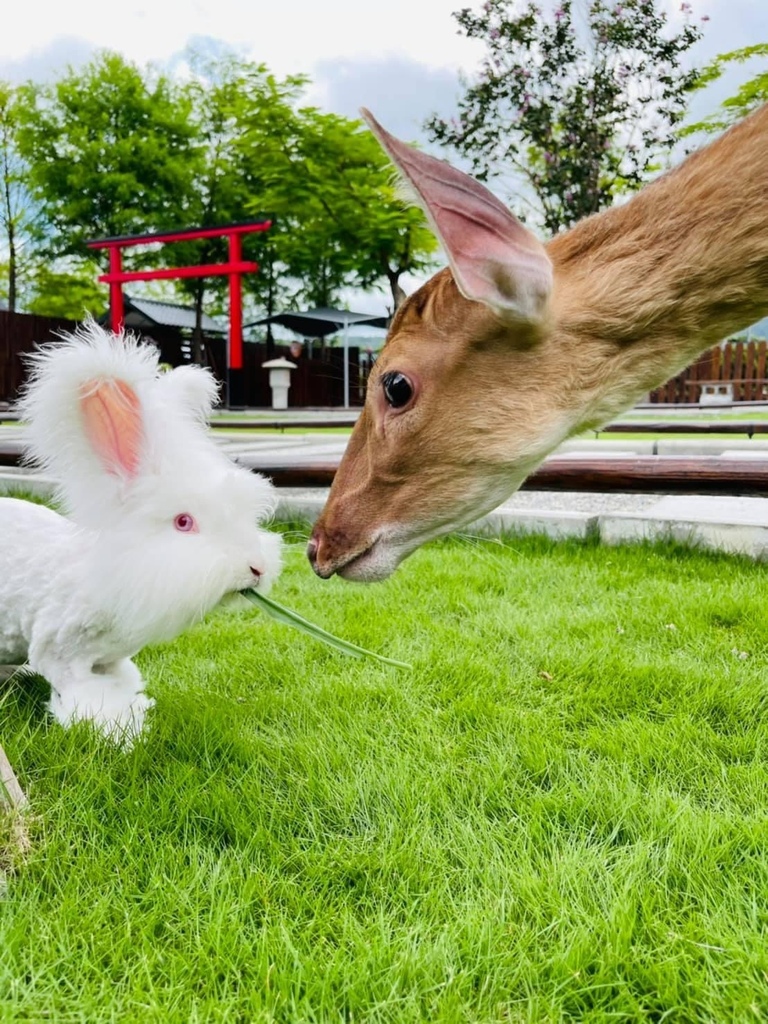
(397, 389)
(185, 523)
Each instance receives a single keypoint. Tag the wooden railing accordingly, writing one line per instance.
(740, 364)
(652, 474)
(748, 427)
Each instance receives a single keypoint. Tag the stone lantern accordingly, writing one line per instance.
(279, 380)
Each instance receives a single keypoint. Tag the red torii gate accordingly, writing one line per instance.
(234, 268)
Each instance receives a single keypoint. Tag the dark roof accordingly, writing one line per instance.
(322, 320)
(147, 313)
(263, 221)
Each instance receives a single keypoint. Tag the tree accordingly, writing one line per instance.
(114, 150)
(227, 94)
(17, 213)
(749, 96)
(581, 104)
(66, 293)
(108, 151)
(339, 222)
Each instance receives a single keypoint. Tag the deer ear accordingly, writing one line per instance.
(494, 258)
(113, 425)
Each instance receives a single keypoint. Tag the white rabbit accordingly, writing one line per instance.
(160, 524)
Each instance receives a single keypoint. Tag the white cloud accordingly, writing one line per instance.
(289, 36)
(342, 44)
(399, 57)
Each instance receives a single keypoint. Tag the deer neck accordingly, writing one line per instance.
(644, 287)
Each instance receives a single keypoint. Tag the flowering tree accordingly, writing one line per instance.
(581, 103)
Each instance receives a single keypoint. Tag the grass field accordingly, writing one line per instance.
(558, 815)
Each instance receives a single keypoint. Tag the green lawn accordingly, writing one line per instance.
(732, 439)
(257, 432)
(559, 815)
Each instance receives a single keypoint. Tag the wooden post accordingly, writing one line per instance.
(15, 842)
(12, 796)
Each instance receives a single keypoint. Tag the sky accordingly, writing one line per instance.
(400, 58)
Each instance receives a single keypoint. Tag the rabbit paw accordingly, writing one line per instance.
(112, 699)
(114, 715)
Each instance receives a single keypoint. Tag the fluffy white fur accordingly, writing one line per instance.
(82, 594)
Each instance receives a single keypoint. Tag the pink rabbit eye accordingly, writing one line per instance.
(185, 523)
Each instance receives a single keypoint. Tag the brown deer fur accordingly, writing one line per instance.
(637, 292)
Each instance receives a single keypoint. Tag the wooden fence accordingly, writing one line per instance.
(739, 364)
(19, 334)
(317, 381)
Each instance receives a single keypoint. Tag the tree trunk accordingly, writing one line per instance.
(11, 237)
(197, 334)
(270, 310)
(398, 295)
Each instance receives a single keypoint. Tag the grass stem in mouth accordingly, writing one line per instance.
(289, 618)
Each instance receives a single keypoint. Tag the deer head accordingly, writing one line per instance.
(516, 345)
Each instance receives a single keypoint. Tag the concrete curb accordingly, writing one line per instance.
(734, 525)
(557, 525)
(730, 538)
(24, 481)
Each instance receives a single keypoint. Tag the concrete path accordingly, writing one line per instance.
(734, 524)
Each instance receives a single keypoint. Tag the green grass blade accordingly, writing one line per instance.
(289, 618)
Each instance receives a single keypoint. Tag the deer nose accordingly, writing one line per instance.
(312, 547)
(320, 553)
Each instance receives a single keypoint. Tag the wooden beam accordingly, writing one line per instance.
(10, 452)
(652, 474)
(748, 427)
(727, 427)
(297, 424)
(642, 474)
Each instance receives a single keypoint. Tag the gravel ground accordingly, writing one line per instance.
(551, 501)
(578, 501)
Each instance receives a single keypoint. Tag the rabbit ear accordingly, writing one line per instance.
(191, 388)
(113, 423)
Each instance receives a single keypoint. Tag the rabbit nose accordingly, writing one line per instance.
(256, 572)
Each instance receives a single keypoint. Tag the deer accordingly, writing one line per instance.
(517, 345)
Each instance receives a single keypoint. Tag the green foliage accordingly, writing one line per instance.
(581, 103)
(112, 149)
(559, 815)
(749, 96)
(108, 149)
(70, 294)
(337, 220)
(325, 183)
(223, 185)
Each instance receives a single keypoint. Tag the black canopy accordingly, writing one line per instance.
(318, 322)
